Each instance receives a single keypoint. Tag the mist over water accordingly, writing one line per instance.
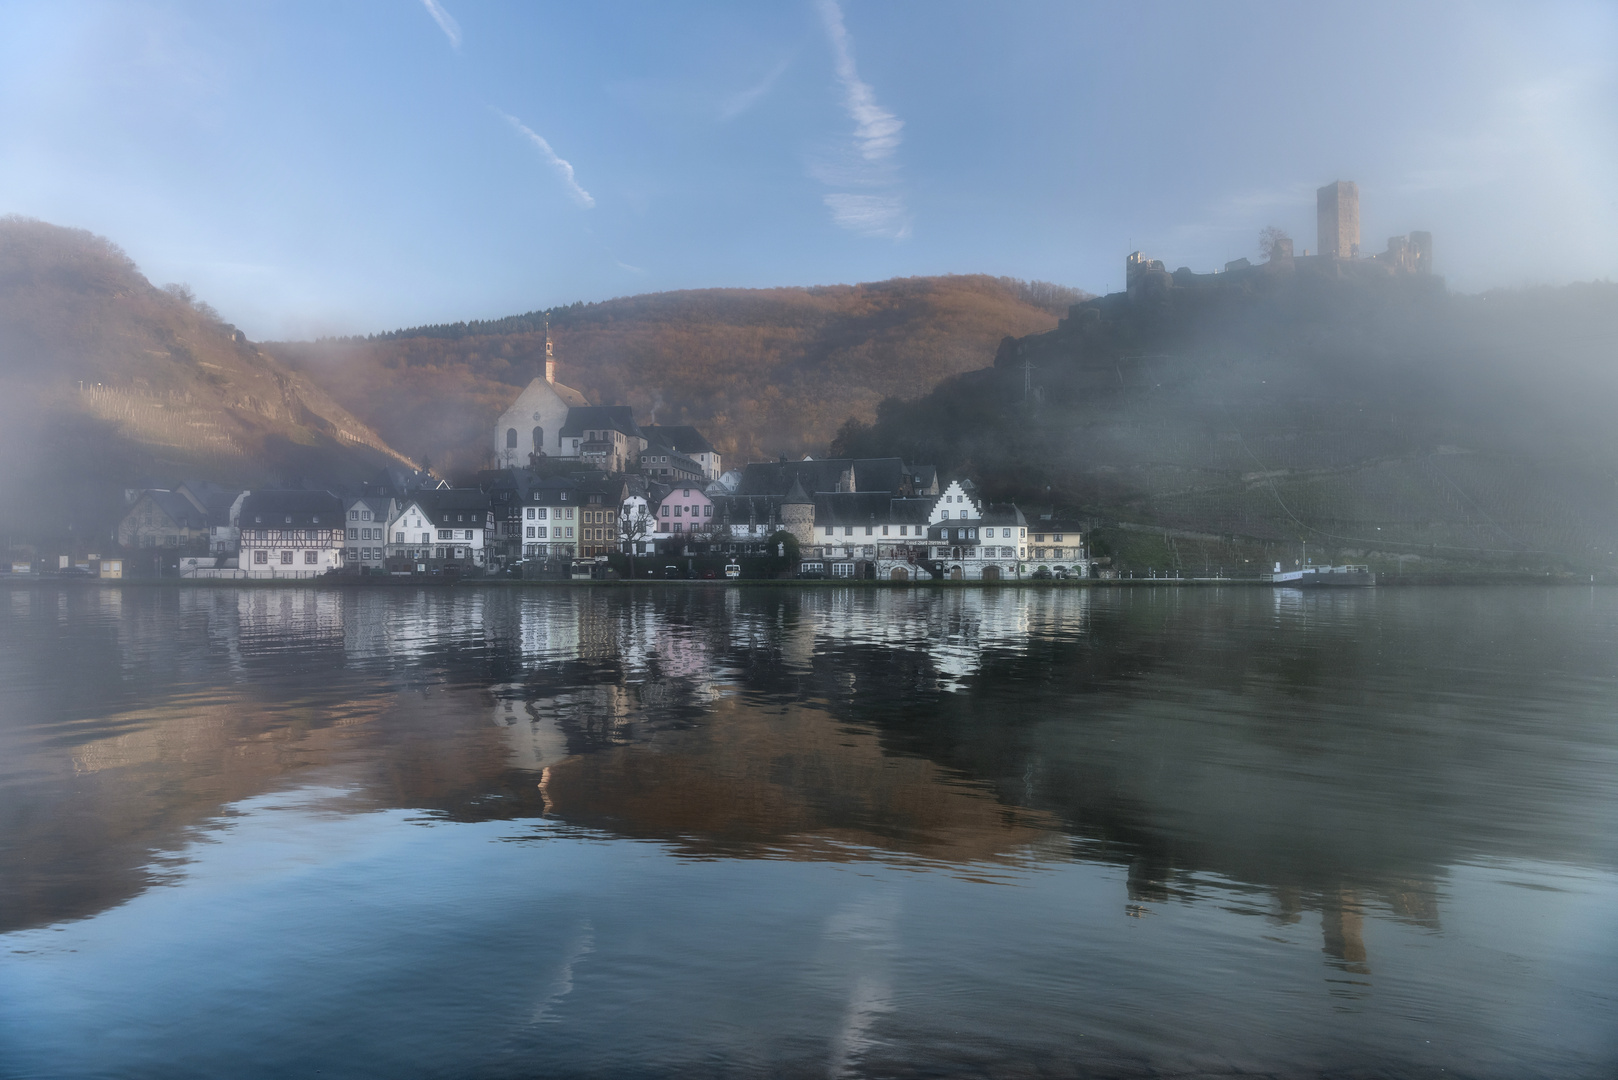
(497, 832)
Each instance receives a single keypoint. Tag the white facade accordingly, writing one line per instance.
(422, 530)
(637, 527)
(550, 528)
(366, 531)
(534, 424)
(291, 553)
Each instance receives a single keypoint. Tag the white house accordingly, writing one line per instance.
(449, 529)
(291, 534)
(366, 531)
(973, 542)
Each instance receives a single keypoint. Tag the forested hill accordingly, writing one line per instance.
(1372, 416)
(110, 382)
(761, 371)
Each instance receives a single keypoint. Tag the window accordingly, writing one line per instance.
(884, 530)
(511, 438)
(867, 530)
(365, 515)
(848, 530)
(570, 534)
(678, 527)
(1056, 537)
(542, 513)
(688, 493)
(842, 569)
(530, 513)
(353, 515)
(539, 438)
(286, 558)
(468, 534)
(446, 534)
(258, 519)
(315, 518)
(707, 511)
(541, 531)
(260, 557)
(666, 512)
(530, 532)
(310, 558)
(398, 538)
(353, 534)
(289, 519)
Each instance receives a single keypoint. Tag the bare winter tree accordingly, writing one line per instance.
(635, 524)
(1267, 238)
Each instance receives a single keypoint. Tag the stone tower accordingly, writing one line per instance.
(1337, 212)
(798, 514)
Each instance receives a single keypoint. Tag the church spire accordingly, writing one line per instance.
(550, 357)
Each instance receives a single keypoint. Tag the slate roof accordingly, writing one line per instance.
(177, 508)
(599, 417)
(305, 509)
(776, 477)
(869, 508)
(684, 438)
(452, 501)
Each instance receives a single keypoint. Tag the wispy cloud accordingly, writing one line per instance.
(736, 104)
(870, 164)
(563, 168)
(869, 215)
(446, 22)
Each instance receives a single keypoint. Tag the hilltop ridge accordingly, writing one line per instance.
(761, 371)
(1334, 403)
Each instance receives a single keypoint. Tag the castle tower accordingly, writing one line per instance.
(798, 514)
(1337, 213)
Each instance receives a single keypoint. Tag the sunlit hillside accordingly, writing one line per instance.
(763, 372)
(111, 381)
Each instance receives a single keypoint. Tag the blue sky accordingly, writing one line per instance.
(338, 168)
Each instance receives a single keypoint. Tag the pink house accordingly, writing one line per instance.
(684, 509)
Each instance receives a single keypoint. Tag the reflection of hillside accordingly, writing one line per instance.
(84, 829)
(790, 783)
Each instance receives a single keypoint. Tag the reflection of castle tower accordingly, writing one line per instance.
(1337, 213)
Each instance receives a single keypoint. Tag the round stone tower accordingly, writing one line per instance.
(798, 514)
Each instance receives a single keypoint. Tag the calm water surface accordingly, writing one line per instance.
(715, 832)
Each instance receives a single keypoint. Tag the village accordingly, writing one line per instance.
(580, 491)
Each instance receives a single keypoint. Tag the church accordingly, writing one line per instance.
(533, 425)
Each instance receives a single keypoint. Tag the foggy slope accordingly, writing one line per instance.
(110, 381)
(1360, 412)
(761, 371)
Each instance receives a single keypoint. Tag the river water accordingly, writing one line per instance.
(700, 831)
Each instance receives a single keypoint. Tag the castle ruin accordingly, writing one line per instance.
(1337, 216)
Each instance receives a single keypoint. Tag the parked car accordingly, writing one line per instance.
(672, 571)
(1042, 574)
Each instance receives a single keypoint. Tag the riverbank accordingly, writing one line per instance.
(1464, 578)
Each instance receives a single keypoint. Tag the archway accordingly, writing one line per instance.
(991, 573)
(511, 438)
(899, 573)
(955, 573)
(539, 440)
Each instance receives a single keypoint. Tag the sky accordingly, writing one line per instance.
(319, 168)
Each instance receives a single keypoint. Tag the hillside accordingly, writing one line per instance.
(110, 381)
(1372, 416)
(762, 371)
